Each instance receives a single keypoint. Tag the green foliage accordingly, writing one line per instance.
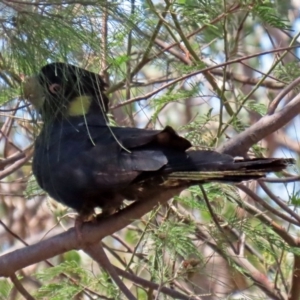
(105, 284)
(170, 241)
(73, 257)
(199, 12)
(198, 130)
(266, 11)
(254, 105)
(144, 48)
(258, 150)
(238, 124)
(68, 267)
(287, 72)
(57, 291)
(174, 237)
(295, 199)
(32, 188)
(5, 289)
(160, 102)
(59, 282)
(119, 61)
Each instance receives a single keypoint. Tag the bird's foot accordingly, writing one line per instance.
(106, 212)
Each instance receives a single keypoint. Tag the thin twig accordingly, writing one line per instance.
(97, 252)
(215, 219)
(20, 287)
(278, 201)
(152, 285)
(295, 285)
(120, 84)
(282, 94)
(269, 208)
(241, 143)
(265, 219)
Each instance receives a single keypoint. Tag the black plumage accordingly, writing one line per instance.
(84, 163)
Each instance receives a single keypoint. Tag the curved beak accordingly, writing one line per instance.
(34, 92)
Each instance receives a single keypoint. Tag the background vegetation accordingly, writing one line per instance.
(225, 74)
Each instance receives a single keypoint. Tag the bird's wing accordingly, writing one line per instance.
(136, 149)
(166, 138)
(131, 138)
(105, 157)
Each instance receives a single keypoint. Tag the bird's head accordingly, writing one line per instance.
(62, 90)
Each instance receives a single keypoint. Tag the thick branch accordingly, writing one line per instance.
(91, 233)
(295, 288)
(240, 144)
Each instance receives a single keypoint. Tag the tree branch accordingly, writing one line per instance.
(20, 287)
(91, 233)
(295, 286)
(240, 144)
(97, 253)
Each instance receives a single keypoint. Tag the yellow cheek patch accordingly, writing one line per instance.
(79, 106)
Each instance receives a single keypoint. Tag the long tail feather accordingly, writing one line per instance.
(236, 171)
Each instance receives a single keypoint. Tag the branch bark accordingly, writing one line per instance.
(241, 143)
(91, 233)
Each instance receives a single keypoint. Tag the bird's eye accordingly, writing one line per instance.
(54, 88)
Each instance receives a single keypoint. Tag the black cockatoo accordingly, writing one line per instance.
(84, 163)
